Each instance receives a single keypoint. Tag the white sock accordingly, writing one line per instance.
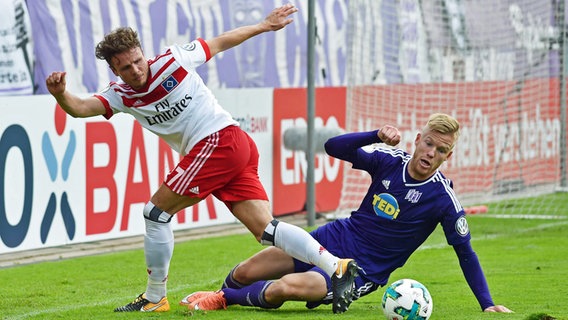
(299, 244)
(158, 250)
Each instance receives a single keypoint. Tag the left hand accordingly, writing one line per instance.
(498, 309)
(278, 18)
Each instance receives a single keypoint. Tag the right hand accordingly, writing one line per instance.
(389, 135)
(498, 308)
(74, 106)
(55, 83)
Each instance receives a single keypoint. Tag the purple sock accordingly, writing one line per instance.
(252, 295)
(230, 282)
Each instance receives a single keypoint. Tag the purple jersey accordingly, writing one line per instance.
(396, 215)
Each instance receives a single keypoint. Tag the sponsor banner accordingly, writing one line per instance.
(290, 166)
(16, 49)
(510, 132)
(66, 180)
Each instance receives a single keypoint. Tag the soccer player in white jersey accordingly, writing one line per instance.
(167, 96)
(408, 197)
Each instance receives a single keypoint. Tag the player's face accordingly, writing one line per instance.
(132, 67)
(432, 149)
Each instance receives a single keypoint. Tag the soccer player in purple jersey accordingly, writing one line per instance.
(167, 96)
(408, 197)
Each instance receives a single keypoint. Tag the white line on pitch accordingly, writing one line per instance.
(495, 236)
(523, 216)
(181, 287)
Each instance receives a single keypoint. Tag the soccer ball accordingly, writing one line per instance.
(407, 299)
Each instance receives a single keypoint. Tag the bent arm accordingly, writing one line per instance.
(73, 105)
(346, 146)
(276, 20)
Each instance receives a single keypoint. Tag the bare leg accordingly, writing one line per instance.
(295, 241)
(303, 286)
(270, 263)
(273, 263)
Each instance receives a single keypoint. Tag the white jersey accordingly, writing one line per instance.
(175, 104)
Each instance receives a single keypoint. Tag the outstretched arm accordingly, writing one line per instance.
(475, 278)
(75, 106)
(276, 20)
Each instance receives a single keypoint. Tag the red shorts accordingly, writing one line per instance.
(224, 164)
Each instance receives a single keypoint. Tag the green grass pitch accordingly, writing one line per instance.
(524, 259)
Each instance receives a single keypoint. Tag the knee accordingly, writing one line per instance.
(277, 291)
(305, 286)
(285, 289)
(242, 274)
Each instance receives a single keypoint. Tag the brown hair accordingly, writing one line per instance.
(117, 41)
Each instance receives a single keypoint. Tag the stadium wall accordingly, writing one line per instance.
(66, 180)
(69, 180)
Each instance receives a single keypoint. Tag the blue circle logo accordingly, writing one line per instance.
(386, 206)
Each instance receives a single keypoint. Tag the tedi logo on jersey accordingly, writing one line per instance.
(386, 206)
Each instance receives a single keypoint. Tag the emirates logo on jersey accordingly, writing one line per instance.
(166, 111)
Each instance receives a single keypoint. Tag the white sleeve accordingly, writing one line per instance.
(191, 55)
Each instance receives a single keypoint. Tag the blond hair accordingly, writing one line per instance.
(444, 124)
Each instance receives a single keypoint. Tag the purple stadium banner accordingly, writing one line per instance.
(414, 41)
(66, 33)
(458, 40)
